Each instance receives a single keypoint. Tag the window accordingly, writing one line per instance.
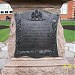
(64, 8)
(6, 11)
(10, 11)
(2, 12)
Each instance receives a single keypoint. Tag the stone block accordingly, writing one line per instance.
(31, 66)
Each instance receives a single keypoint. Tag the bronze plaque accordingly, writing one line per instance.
(36, 34)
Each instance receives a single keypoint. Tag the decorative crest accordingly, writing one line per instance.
(36, 16)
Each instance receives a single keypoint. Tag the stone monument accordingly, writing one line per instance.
(36, 42)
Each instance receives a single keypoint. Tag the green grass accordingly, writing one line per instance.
(68, 23)
(4, 34)
(5, 23)
(69, 35)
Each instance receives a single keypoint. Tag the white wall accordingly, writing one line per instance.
(64, 8)
(4, 7)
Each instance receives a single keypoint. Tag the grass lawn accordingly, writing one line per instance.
(4, 33)
(69, 34)
(5, 23)
(68, 23)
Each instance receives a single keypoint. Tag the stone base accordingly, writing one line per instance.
(31, 66)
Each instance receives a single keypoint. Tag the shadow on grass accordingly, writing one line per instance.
(3, 27)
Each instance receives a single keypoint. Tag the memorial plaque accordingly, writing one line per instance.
(36, 34)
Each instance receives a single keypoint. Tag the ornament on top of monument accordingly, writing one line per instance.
(36, 16)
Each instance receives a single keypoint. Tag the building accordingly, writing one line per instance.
(68, 10)
(5, 11)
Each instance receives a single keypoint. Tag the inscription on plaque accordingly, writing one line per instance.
(36, 34)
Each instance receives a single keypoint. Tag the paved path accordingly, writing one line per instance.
(71, 46)
(70, 50)
(3, 55)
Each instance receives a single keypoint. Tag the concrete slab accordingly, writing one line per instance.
(69, 53)
(71, 46)
(70, 50)
(3, 62)
(4, 57)
(2, 45)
